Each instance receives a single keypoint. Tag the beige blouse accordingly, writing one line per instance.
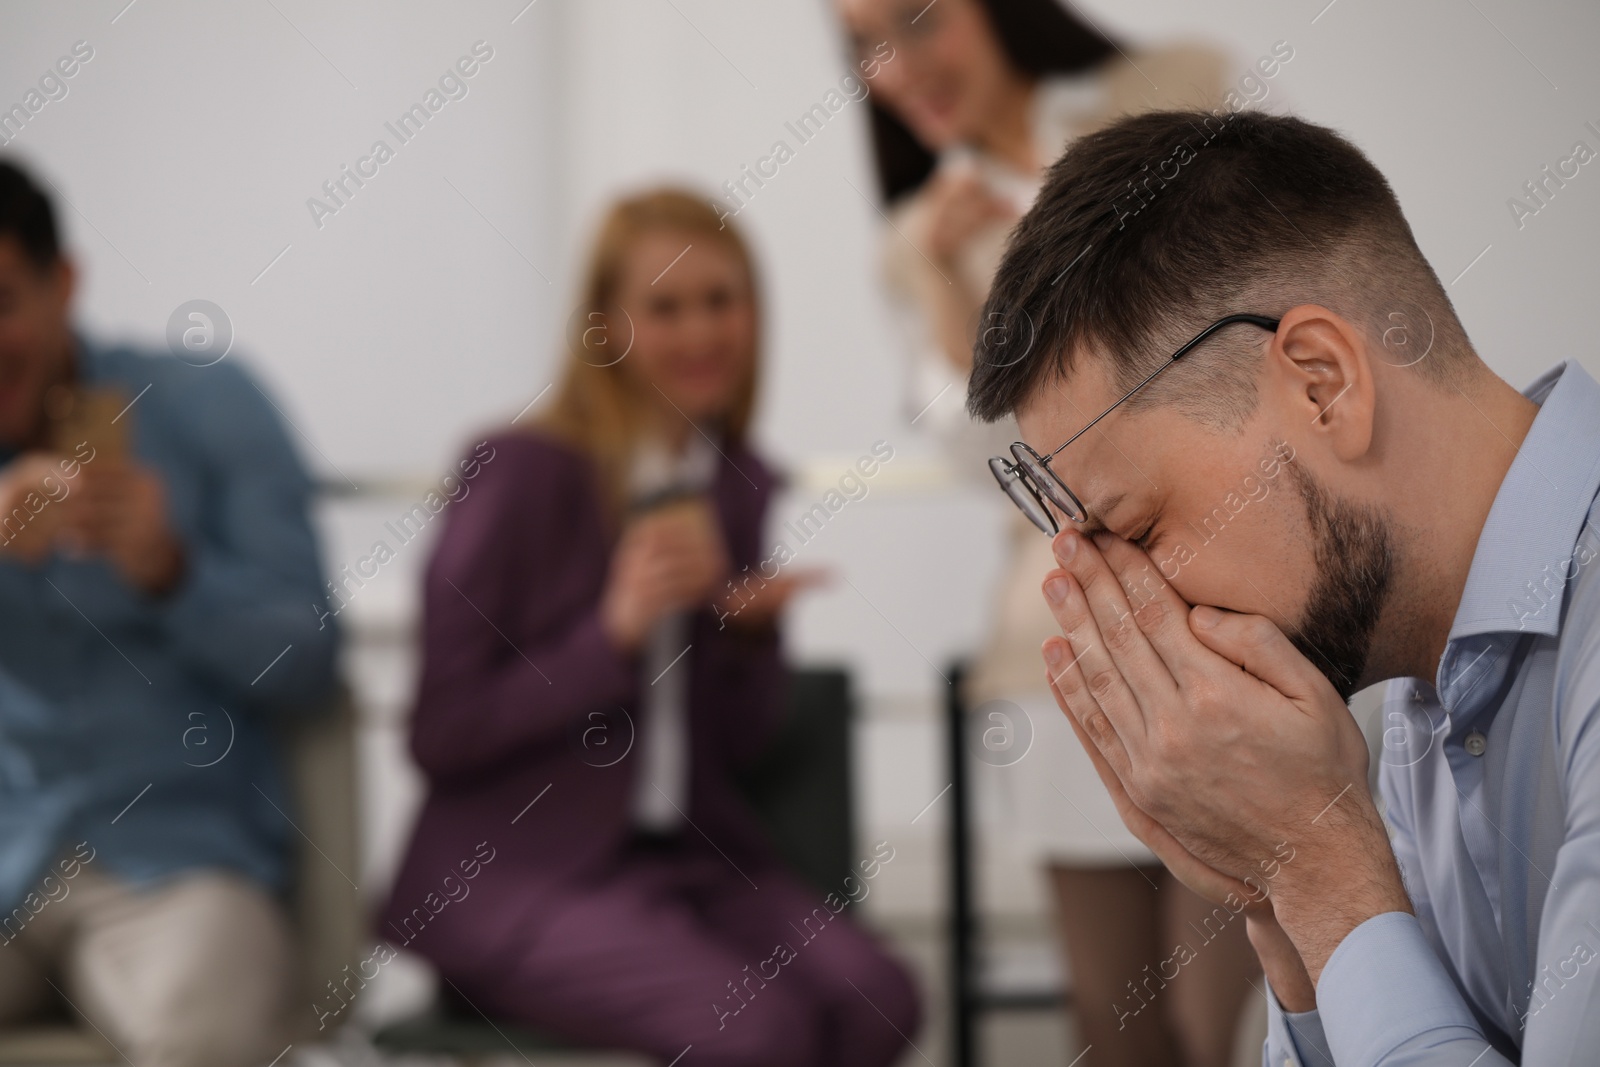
(1064, 109)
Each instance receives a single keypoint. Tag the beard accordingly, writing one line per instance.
(1353, 547)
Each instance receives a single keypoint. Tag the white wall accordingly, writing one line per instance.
(431, 304)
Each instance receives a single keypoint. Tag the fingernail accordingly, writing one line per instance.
(1205, 616)
(1066, 546)
(1056, 590)
(1102, 540)
(1052, 653)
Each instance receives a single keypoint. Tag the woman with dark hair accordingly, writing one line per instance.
(970, 103)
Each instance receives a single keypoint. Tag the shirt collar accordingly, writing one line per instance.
(655, 470)
(1527, 551)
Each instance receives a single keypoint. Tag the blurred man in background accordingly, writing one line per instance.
(159, 602)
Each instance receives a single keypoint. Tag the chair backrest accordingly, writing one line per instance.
(802, 788)
(327, 908)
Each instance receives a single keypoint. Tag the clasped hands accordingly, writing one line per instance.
(110, 507)
(1225, 751)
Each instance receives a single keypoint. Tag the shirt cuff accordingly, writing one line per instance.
(1295, 1039)
(1383, 986)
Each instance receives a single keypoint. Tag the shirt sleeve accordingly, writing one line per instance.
(1385, 997)
(1294, 1039)
(1563, 1017)
(488, 687)
(249, 612)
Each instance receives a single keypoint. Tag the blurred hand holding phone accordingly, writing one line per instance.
(84, 495)
(93, 420)
(80, 425)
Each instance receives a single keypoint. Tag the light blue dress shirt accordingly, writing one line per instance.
(142, 725)
(1491, 790)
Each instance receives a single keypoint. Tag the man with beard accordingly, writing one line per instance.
(1270, 299)
(160, 597)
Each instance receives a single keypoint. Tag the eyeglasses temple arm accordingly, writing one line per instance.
(1256, 320)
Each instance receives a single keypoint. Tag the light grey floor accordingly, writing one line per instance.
(1016, 1039)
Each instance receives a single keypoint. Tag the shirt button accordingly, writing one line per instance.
(1476, 743)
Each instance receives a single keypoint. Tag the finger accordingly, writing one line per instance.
(695, 543)
(1095, 732)
(1208, 882)
(1161, 614)
(784, 588)
(1000, 208)
(668, 534)
(679, 557)
(1130, 649)
(640, 527)
(658, 580)
(88, 488)
(1103, 678)
(87, 525)
(108, 474)
(688, 575)
(1256, 644)
(811, 577)
(1184, 865)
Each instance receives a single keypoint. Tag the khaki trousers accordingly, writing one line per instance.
(195, 971)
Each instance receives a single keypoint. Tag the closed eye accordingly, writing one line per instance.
(1145, 538)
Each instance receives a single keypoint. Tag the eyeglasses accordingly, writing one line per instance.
(1027, 477)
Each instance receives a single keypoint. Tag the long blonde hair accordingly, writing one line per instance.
(594, 409)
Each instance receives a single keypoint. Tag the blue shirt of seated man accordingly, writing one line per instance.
(142, 723)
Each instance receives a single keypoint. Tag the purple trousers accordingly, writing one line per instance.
(676, 950)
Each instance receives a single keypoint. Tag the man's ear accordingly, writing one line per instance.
(1326, 370)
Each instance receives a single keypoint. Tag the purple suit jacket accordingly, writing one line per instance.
(517, 670)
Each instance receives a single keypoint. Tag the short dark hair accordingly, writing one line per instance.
(1040, 38)
(27, 214)
(1153, 227)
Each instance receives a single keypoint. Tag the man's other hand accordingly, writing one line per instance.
(118, 510)
(1226, 736)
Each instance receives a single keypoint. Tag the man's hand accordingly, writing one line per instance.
(31, 487)
(1279, 958)
(118, 509)
(1206, 881)
(1281, 962)
(1229, 739)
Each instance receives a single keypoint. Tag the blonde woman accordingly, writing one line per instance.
(587, 695)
